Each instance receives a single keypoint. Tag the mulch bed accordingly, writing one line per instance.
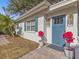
(16, 48)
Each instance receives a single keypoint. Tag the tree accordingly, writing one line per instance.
(21, 6)
(6, 25)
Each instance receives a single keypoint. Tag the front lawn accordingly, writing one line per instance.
(16, 48)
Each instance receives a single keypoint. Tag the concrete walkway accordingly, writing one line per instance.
(3, 40)
(45, 53)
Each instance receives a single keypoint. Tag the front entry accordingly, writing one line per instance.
(58, 28)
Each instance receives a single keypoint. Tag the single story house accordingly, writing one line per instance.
(53, 18)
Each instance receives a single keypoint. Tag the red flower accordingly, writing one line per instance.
(70, 40)
(67, 35)
(40, 33)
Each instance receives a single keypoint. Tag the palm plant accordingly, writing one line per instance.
(6, 25)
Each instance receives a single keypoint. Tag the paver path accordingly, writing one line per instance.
(3, 40)
(45, 53)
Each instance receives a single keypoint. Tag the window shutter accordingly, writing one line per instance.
(36, 24)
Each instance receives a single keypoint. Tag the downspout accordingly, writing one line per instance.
(78, 16)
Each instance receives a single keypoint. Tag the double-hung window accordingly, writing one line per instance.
(24, 26)
(28, 25)
(31, 25)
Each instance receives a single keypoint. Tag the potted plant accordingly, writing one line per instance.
(69, 50)
(43, 40)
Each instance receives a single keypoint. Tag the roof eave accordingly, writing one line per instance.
(44, 4)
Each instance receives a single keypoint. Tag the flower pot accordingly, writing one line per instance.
(41, 43)
(69, 53)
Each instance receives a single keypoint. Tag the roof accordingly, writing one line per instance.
(46, 8)
(39, 7)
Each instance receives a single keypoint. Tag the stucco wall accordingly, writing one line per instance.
(31, 36)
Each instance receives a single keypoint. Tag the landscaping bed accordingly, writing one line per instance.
(16, 48)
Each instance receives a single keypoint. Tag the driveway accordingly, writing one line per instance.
(45, 53)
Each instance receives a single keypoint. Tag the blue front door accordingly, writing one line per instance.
(58, 28)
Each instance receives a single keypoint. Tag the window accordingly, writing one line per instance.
(30, 25)
(24, 26)
(70, 20)
(33, 26)
(58, 20)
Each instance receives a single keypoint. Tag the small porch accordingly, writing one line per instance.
(59, 19)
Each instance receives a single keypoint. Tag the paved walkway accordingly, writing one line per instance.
(3, 40)
(45, 53)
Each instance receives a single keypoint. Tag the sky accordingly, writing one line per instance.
(3, 3)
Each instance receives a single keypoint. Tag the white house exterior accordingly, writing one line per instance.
(53, 19)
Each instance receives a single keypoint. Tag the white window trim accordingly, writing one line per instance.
(30, 27)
